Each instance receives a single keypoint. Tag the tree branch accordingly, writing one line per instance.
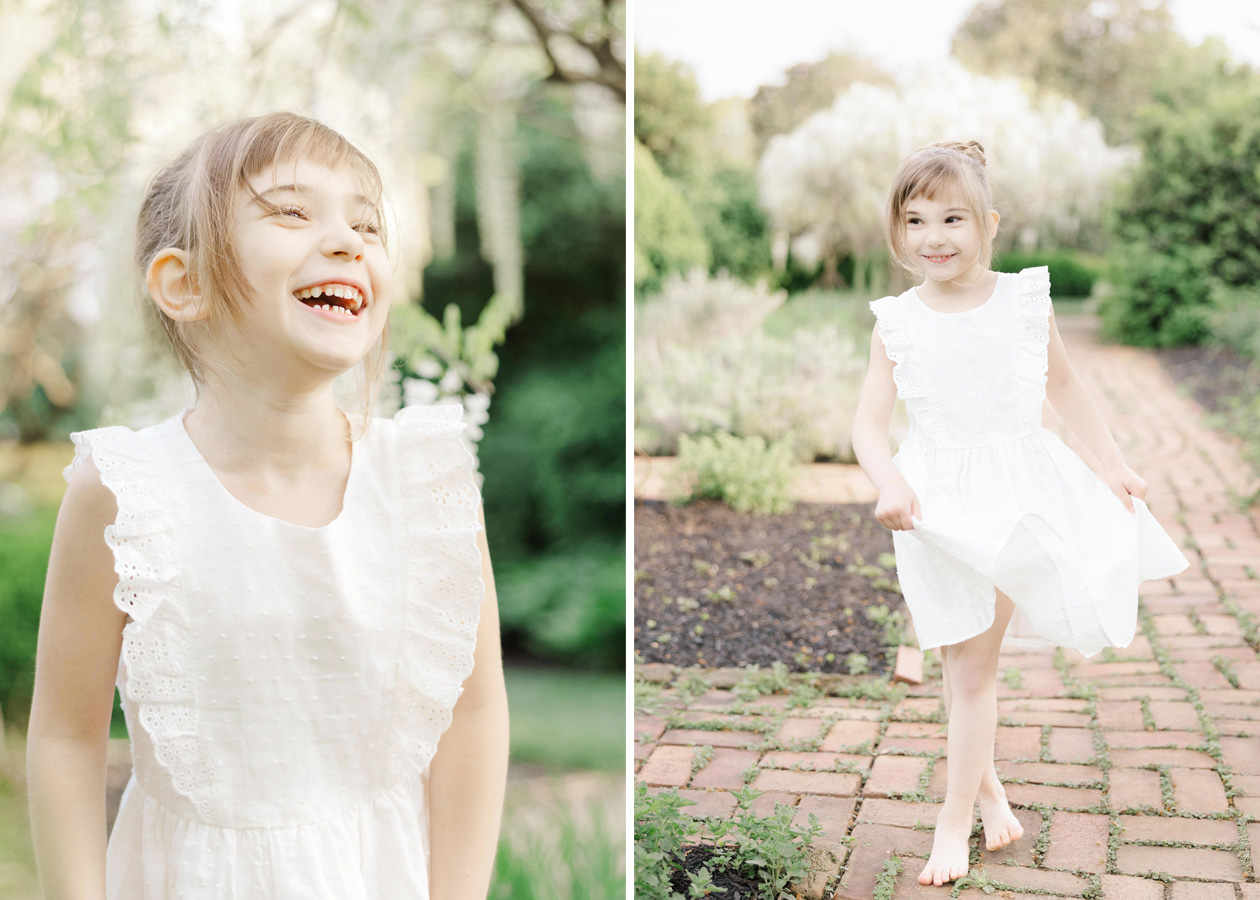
(612, 71)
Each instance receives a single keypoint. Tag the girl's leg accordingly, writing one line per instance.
(972, 667)
(1000, 825)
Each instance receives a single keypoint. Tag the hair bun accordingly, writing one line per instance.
(971, 148)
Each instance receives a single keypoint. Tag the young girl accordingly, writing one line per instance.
(299, 595)
(1003, 536)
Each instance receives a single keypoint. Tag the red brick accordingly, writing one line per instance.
(1022, 742)
(1078, 841)
(1126, 887)
(1136, 740)
(724, 770)
(850, 734)
(669, 766)
(1120, 714)
(1199, 890)
(1047, 773)
(1070, 798)
(1043, 704)
(1180, 862)
(1137, 829)
(1135, 788)
(1198, 791)
(1250, 807)
(834, 814)
(909, 841)
(1046, 717)
(907, 886)
(909, 665)
(1023, 877)
(825, 860)
(1189, 759)
(1072, 745)
(1173, 715)
(894, 775)
(859, 872)
(700, 737)
(1202, 675)
(719, 804)
(830, 783)
(787, 759)
(1238, 727)
(765, 804)
(1136, 692)
(1173, 624)
(900, 813)
(653, 725)
(1241, 754)
(799, 730)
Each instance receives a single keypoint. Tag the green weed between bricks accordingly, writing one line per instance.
(768, 850)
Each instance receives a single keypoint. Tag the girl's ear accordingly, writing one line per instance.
(170, 285)
(994, 218)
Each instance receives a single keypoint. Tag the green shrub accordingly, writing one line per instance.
(1186, 222)
(667, 237)
(745, 473)
(575, 858)
(1235, 319)
(1071, 274)
(660, 830)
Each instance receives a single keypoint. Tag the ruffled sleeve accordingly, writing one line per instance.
(1032, 330)
(445, 587)
(155, 645)
(895, 331)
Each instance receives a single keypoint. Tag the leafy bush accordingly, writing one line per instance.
(667, 237)
(1235, 319)
(704, 363)
(726, 206)
(1186, 223)
(742, 472)
(1071, 274)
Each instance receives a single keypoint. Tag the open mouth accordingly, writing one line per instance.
(343, 301)
(940, 259)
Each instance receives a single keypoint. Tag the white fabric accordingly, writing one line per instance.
(1004, 502)
(285, 686)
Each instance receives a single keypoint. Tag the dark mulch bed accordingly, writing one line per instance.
(1213, 374)
(762, 588)
(736, 886)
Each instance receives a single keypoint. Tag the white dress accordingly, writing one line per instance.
(285, 686)
(1004, 502)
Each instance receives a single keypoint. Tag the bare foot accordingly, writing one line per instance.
(1000, 825)
(949, 851)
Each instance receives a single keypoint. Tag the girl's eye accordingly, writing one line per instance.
(954, 219)
(913, 221)
(289, 210)
(369, 227)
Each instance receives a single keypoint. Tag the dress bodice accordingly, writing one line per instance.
(276, 675)
(973, 378)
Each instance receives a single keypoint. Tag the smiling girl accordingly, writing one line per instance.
(291, 599)
(1003, 536)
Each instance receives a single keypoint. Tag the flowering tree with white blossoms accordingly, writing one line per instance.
(1049, 167)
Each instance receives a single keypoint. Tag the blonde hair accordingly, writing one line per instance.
(191, 205)
(931, 172)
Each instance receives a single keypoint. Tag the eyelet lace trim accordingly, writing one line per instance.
(155, 645)
(1032, 340)
(895, 330)
(440, 500)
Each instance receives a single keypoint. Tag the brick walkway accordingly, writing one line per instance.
(1136, 774)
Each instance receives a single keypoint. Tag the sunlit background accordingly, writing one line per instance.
(499, 129)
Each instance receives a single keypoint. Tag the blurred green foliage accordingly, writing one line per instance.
(667, 237)
(1186, 224)
(1071, 273)
(24, 546)
(553, 453)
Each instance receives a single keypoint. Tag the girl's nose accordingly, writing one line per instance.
(343, 239)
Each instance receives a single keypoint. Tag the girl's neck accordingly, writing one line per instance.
(976, 284)
(258, 432)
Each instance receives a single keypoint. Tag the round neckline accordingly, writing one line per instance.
(987, 300)
(206, 467)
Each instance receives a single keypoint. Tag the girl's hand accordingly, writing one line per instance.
(1124, 482)
(897, 503)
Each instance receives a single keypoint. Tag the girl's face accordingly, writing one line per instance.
(319, 233)
(943, 236)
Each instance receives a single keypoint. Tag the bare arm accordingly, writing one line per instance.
(897, 501)
(80, 636)
(468, 775)
(1071, 400)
